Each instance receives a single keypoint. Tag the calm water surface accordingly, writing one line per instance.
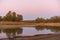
(27, 31)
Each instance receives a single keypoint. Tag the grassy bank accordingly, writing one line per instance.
(25, 23)
(4, 25)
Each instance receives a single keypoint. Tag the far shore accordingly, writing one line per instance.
(4, 25)
(29, 24)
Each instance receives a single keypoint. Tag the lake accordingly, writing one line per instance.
(28, 31)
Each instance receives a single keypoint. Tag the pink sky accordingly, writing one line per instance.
(30, 9)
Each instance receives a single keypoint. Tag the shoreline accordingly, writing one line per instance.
(4, 25)
(29, 24)
(39, 37)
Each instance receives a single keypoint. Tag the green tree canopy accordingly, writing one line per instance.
(0, 18)
(12, 16)
(55, 19)
(38, 20)
(19, 17)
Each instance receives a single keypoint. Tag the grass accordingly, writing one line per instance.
(4, 25)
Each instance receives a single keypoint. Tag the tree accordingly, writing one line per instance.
(55, 19)
(0, 18)
(38, 20)
(19, 17)
(8, 16)
(14, 16)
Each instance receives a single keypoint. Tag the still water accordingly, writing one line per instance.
(27, 31)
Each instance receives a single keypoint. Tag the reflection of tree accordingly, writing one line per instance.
(54, 29)
(12, 32)
(39, 28)
(19, 31)
(0, 30)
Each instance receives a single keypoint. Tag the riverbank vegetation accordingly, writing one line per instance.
(14, 17)
(11, 16)
(54, 19)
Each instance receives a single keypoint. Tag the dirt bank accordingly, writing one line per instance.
(39, 37)
(29, 24)
(4, 25)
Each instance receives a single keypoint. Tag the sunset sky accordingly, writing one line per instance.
(31, 9)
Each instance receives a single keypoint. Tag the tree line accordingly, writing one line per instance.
(11, 16)
(54, 19)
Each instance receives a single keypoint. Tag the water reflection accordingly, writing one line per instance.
(53, 29)
(11, 33)
(39, 28)
(28, 31)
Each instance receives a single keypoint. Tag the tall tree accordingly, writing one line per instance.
(19, 17)
(14, 16)
(38, 20)
(0, 18)
(8, 16)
